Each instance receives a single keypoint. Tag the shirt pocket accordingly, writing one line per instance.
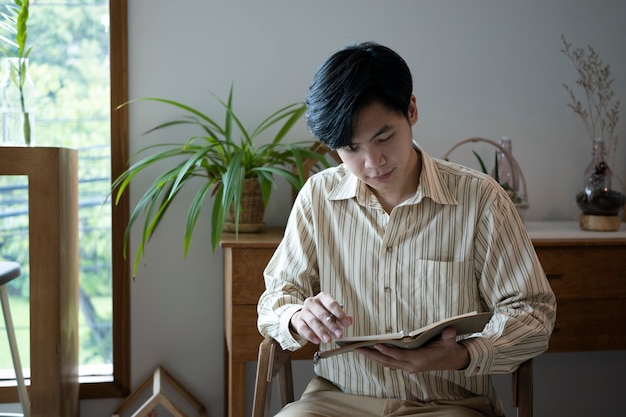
(443, 289)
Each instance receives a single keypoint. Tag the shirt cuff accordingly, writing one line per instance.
(290, 340)
(481, 355)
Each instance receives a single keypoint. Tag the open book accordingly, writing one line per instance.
(464, 324)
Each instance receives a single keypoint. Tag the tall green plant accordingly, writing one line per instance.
(223, 156)
(13, 23)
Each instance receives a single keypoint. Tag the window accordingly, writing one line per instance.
(74, 44)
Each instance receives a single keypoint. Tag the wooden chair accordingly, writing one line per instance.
(8, 272)
(274, 362)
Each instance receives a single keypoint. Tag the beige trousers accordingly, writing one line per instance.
(323, 399)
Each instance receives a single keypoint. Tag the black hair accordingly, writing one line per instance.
(348, 81)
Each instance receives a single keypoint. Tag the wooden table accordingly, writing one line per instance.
(53, 252)
(587, 271)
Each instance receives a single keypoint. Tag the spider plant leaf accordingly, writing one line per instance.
(228, 123)
(496, 170)
(232, 181)
(228, 116)
(153, 198)
(295, 109)
(247, 138)
(193, 213)
(182, 106)
(218, 216)
(291, 121)
(123, 181)
(293, 179)
(187, 168)
(480, 161)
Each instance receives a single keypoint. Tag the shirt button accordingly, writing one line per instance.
(387, 289)
(389, 248)
(388, 329)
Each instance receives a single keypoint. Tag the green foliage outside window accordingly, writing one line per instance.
(70, 69)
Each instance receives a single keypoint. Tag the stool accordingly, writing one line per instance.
(9, 271)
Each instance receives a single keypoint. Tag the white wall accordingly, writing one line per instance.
(487, 68)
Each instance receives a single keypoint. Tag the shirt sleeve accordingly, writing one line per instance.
(290, 277)
(514, 286)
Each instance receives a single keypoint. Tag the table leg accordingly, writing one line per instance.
(236, 389)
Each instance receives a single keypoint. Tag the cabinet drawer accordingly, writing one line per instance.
(585, 271)
(589, 325)
(247, 273)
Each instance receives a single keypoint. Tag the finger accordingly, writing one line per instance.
(302, 328)
(338, 314)
(317, 306)
(311, 327)
(327, 316)
(314, 316)
(448, 333)
(385, 356)
(337, 319)
(325, 308)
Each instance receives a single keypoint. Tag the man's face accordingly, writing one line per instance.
(382, 154)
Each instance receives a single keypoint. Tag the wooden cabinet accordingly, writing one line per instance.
(244, 261)
(587, 271)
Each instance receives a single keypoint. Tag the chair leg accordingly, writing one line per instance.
(523, 389)
(17, 364)
(285, 377)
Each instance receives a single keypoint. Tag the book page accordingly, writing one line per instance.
(444, 321)
(439, 326)
(384, 336)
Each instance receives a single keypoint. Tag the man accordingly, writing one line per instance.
(393, 239)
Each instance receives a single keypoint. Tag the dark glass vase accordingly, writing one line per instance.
(602, 192)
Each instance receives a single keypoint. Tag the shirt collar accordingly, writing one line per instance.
(431, 185)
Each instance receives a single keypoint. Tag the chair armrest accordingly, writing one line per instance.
(273, 362)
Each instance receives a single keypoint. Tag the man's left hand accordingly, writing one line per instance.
(439, 355)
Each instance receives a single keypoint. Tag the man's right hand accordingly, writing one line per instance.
(321, 319)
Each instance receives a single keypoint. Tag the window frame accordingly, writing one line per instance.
(120, 386)
(120, 268)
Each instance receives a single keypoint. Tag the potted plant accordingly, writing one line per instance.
(226, 156)
(517, 193)
(601, 195)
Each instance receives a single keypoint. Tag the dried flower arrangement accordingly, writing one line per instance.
(599, 114)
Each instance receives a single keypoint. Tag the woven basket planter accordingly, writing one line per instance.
(252, 209)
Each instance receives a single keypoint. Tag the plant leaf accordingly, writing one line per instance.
(480, 161)
(22, 31)
(221, 161)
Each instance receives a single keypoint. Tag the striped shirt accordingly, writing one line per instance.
(458, 245)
